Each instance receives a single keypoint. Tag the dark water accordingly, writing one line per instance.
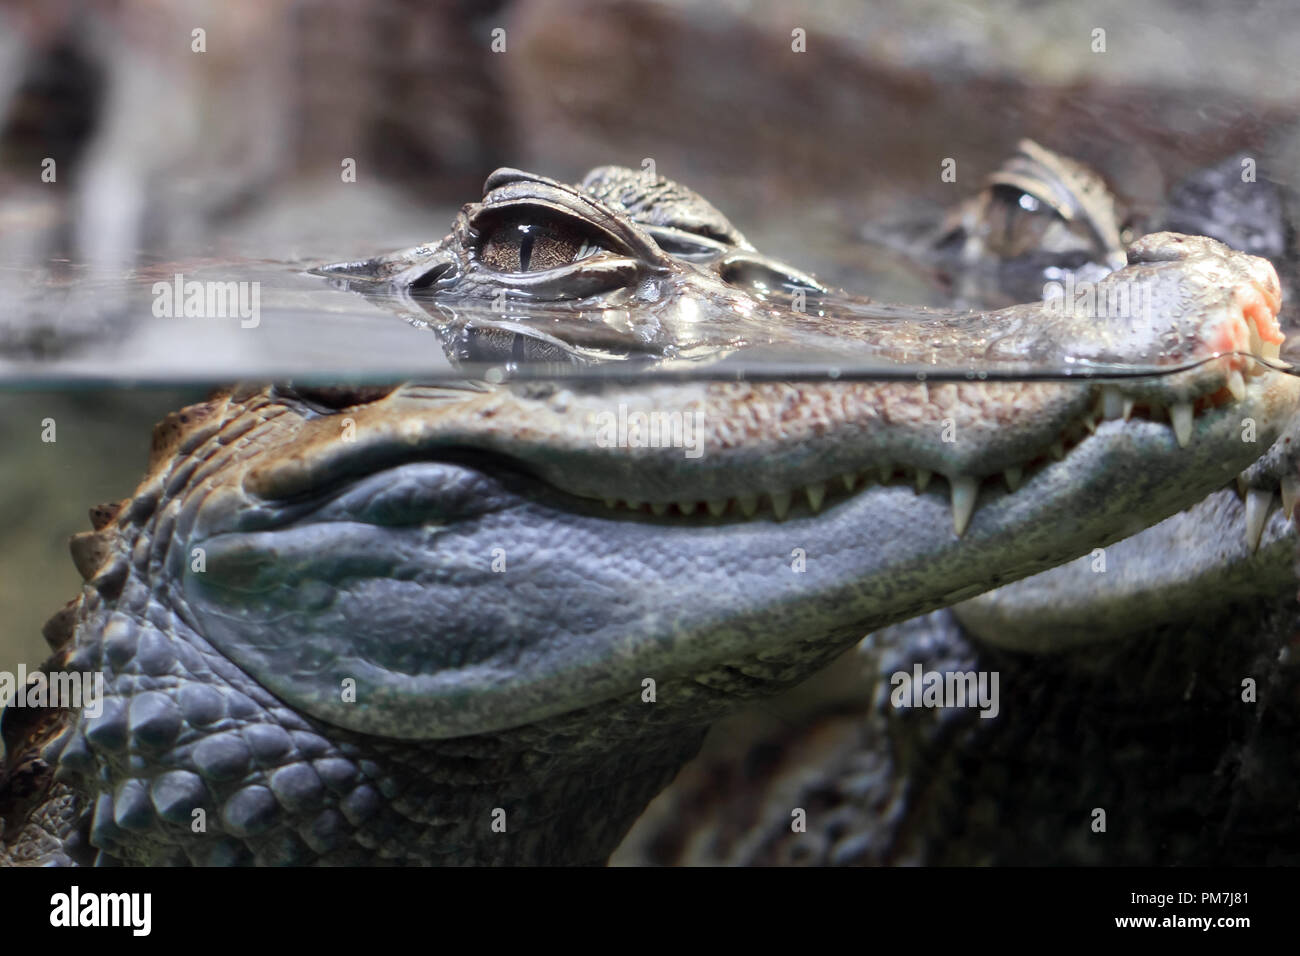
(99, 454)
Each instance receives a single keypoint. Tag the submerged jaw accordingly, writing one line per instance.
(731, 452)
(586, 607)
(403, 596)
(1195, 565)
(1231, 552)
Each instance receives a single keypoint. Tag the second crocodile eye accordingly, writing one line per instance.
(515, 245)
(1018, 223)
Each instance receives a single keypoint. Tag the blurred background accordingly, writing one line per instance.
(199, 130)
(192, 135)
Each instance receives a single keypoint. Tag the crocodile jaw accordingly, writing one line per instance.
(589, 602)
(1234, 549)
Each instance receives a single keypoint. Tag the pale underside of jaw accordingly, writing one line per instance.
(1110, 403)
(1194, 565)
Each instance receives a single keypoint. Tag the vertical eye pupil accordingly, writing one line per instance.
(532, 247)
(525, 246)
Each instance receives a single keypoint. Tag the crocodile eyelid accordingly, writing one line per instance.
(509, 175)
(491, 213)
(561, 199)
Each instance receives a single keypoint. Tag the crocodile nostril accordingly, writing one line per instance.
(342, 396)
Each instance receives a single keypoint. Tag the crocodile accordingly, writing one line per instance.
(467, 622)
(1237, 544)
(1153, 680)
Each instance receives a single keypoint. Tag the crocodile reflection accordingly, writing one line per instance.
(1039, 206)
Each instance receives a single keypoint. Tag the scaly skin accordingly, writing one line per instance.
(364, 626)
(1237, 547)
(1227, 550)
(1159, 685)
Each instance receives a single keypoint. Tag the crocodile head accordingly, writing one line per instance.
(487, 622)
(1037, 208)
(1037, 216)
(619, 268)
(1042, 213)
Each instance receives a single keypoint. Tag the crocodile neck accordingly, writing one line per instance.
(273, 786)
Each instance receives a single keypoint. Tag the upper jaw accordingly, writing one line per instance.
(733, 447)
(754, 450)
(1194, 313)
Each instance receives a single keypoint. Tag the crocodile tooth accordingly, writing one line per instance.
(816, 494)
(1180, 414)
(748, 505)
(1290, 486)
(849, 479)
(922, 479)
(658, 508)
(1256, 343)
(780, 504)
(964, 491)
(886, 473)
(1128, 408)
(1112, 402)
(1271, 350)
(1258, 501)
(633, 504)
(686, 507)
(1241, 485)
(1058, 449)
(1236, 385)
(1013, 476)
(1090, 423)
(610, 502)
(716, 506)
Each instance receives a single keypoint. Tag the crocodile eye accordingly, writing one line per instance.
(1019, 223)
(525, 245)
